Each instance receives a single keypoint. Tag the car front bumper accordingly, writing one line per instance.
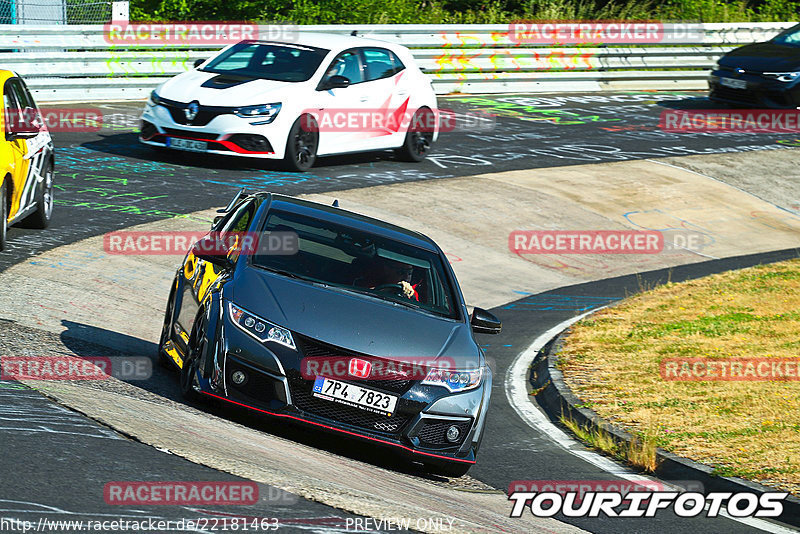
(759, 91)
(275, 387)
(224, 133)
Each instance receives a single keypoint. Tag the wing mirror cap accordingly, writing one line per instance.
(484, 322)
(335, 82)
(212, 249)
(27, 125)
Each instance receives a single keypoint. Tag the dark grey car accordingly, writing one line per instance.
(334, 320)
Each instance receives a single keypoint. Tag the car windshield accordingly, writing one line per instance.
(789, 37)
(282, 62)
(360, 262)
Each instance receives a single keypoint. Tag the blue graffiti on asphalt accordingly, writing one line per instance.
(553, 302)
(274, 179)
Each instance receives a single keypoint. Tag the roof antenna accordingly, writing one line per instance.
(354, 33)
(335, 203)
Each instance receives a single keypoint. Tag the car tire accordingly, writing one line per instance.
(302, 144)
(188, 374)
(163, 360)
(3, 216)
(419, 137)
(40, 219)
(450, 470)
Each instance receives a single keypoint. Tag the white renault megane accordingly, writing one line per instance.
(321, 95)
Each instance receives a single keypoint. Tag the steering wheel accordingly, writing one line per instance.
(398, 288)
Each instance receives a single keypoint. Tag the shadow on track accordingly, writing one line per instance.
(127, 145)
(90, 341)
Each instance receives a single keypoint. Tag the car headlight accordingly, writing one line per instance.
(259, 328)
(783, 76)
(454, 380)
(266, 112)
(153, 99)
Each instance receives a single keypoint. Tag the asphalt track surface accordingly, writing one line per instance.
(57, 462)
(106, 180)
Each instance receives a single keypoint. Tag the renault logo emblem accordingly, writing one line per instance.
(191, 110)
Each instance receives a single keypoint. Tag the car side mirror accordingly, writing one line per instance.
(335, 82)
(198, 62)
(213, 250)
(26, 126)
(483, 322)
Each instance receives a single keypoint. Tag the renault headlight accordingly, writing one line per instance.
(259, 328)
(265, 112)
(153, 99)
(783, 76)
(453, 380)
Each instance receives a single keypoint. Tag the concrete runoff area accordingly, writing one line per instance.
(471, 219)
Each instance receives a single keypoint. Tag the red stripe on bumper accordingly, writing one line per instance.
(340, 430)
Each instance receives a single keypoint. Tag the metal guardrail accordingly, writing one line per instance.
(75, 63)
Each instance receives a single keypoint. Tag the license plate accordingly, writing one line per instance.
(733, 83)
(356, 396)
(187, 144)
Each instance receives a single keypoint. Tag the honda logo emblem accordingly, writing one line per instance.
(359, 368)
(191, 110)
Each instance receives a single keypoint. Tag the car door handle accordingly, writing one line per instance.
(402, 93)
(364, 98)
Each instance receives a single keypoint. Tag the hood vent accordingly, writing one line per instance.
(224, 81)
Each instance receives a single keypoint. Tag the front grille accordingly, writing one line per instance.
(737, 95)
(303, 399)
(204, 114)
(188, 133)
(744, 71)
(312, 348)
(434, 433)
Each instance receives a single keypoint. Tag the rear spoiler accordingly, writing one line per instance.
(234, 201)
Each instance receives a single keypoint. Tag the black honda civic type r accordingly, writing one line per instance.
(314, 314)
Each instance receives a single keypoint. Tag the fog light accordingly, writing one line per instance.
(239, 378)
(453, 433)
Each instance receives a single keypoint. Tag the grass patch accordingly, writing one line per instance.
(640, 452)
(749, 429)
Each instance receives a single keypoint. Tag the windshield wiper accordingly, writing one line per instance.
(284, 272)
(407, 303)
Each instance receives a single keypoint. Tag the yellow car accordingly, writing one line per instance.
(26, 160)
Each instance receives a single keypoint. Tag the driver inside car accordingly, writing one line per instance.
(386, 272)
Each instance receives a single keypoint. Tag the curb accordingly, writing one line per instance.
(557, 398)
